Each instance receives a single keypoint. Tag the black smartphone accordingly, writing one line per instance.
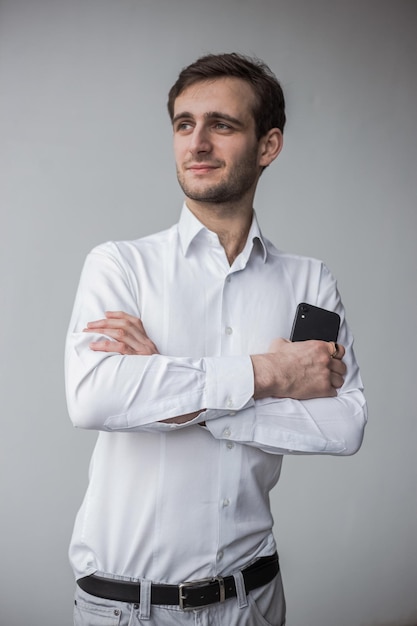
(313, 322)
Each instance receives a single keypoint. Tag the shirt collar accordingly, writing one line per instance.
(189, 227)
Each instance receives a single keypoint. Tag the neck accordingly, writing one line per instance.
(230, 223)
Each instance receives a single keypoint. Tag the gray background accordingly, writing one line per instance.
(86, 156)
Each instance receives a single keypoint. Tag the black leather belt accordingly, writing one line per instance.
(188, 595)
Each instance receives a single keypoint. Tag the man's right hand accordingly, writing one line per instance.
(301, 370)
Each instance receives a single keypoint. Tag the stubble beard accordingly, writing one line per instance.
(232, 189)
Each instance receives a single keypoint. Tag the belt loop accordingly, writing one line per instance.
(242, 599)
(145, 599)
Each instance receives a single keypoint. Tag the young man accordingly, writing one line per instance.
(178, 354)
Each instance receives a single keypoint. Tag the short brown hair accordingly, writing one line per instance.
(269, 109)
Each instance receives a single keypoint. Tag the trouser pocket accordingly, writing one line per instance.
(92, 611)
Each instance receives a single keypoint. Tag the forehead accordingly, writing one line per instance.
(232, 96)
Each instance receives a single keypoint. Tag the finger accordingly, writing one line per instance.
(336, 380)
(121, 315)
(121, 347)
(96, 324)
(108, 323)
(130, 344)
(117, 328)
(115, 332)
(333, 349)
(337, 367)
(126, 329)
(119, 334)
(338, 371)
(336, 350)
(127, 324)
(106, 345)
(340, 352)
(114, 318)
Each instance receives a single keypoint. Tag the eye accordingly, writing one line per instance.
(222, 126)
(183, 127)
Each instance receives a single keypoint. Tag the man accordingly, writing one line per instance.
(178, 354)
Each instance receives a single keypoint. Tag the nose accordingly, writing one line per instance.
(200, 140)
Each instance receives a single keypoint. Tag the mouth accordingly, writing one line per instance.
(201, 168)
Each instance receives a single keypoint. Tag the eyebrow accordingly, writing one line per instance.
(210, 115)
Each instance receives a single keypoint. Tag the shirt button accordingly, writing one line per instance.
(229, 330)
(219, 555)
(228, 279)
(227, 432)
(116, 612)
(229, 403)
(226, 502)
(230, 445)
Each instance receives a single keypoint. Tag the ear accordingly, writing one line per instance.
(270, 145)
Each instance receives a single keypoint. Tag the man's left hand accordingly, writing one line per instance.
(127, 332)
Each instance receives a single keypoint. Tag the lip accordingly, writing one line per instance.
(201, 167)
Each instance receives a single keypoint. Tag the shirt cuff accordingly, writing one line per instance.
(229, 382)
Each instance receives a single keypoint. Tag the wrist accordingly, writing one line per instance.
(264, 377)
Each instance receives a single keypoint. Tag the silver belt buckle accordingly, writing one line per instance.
(195, 584)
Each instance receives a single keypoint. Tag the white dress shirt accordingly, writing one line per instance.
(178, 502)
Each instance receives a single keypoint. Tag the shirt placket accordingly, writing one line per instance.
(230, 454)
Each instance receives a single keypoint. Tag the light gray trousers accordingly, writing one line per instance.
(264, 606)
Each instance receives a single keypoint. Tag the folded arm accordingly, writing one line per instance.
(295, 406)
(128, 336)
(289, 399)
(119, 381)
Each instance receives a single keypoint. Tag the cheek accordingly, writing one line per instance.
(179, 154)
(246, 156)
